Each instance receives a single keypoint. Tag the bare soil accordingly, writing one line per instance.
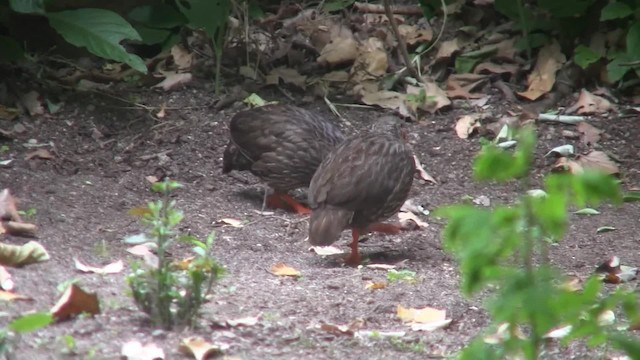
(82, 197)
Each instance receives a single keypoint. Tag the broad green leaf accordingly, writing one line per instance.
(464, 64)
(615, 69)
(30, 322)
(508, 8)
(585, 56)
(211, 15)
(587, 211)
(633, 41)
(27, 6)
(335, 5)
(100, 31)
(401, 275)
(151, 36)
(10, 49)
(615, 10)
(159, 16)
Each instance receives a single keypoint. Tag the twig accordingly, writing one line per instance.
(567, 119)
(397, 9)
(401, 43)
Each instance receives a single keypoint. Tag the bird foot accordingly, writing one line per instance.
(286, 202)
(353, 260)
(385, 228)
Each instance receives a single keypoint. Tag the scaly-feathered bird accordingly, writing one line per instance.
(281, 144)
(364, 180)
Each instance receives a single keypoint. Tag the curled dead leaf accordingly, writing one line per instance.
(281, 269)
(75, 301)
(599, 161)
(589, 134)
(200, 348)
(422, 172)
(29, 253)
(375, 285)
(589, 103)
(112, 268)
(543, 77)
(411, 221)
(425, 319)
(174, 80)
(467, 125)
(41, 153)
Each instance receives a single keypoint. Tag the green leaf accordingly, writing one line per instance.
(336, 5)
(27, 6)
(31, 322)
(151, 36)
(464, 64)
(604, 229)
(565, 8)
(402, 275)
(212, 15)
(633, 41)
(631, 196)
(100, 31)
(508, 8)
(587, 211)
(494, 163)
(585, 56)
(10, 49)
(615, 70)
(160, 16)
(615, 10)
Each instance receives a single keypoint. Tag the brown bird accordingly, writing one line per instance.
(364, 180)
(283, 145)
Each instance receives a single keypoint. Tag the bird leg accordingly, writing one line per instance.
(385, 228)
(354, 258)
(279, 200)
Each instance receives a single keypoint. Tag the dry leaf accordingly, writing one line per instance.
(41, 153)
(145, 251)
(200, 348)
(422, 172)
(436, 98)
(566, 164)
(33, 103)
(588, 103)
(503, 333)
(375, 285)
(339, 51)
(326, 250)
(493, 68)
(388, 100)
(181, 57)
(174, 80)
(6, 282)
(543, 77)
(506, 50)
(349, 329)
(463, 85)
(558, 332)
(245, 321)
(446, 49)
(371, 63)
(598, 160)
(467, 124)
(572, 283)
(589, 134)
(8, 209)
(288, 76)
(425, 319)
(230, 222)
(134, 350)
(75, 301)
(10, 296)
(152, 180)
(410, 221)
(412, 35)
(281, 269)
(112, 268)
(29, 253)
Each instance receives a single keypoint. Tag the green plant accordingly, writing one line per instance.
(22, 325)
(171, 294)
(572, 23)
(29, 213)
(506, 248)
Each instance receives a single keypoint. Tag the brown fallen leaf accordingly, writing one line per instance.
(422, 172)
(8, 209)
(589, 103)
(348, 330)
(411, 221)
(543, 77)
(388, 100)
(200, 348)
(589, 134)
(134, 350)
(339, 51)
(447, 49)
(436, 98)
(598, 160)
(112, 268)
(427, 319)
(467, 125)
(145, 251)
(19, 228)
(174, 80)
(493, 68)
(463, 86)
(566, 164)
(371, 63)
(375, 285)
(506, 50)
(181, 57)
(281, 269)
(152, 180)
(32, 101)
(572, 283)
(75, 301)
(41, 153)
(10, 296)
(288, 76)
(229, 222)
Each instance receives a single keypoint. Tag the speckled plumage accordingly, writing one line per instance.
(281, 144)
(364, 180)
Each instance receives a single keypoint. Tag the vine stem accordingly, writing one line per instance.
(401, 43)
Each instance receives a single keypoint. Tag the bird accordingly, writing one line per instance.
(364, 180)
(283, 145)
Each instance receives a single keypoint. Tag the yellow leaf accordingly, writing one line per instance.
(281, 269)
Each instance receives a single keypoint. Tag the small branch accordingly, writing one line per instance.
(396, 9)
(401, 44)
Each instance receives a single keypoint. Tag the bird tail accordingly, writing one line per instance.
(326, 224)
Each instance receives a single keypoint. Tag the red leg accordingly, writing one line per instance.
(354, 258)
(385, 228)
(285, 201)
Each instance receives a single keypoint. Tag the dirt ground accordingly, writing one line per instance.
(81, 200)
